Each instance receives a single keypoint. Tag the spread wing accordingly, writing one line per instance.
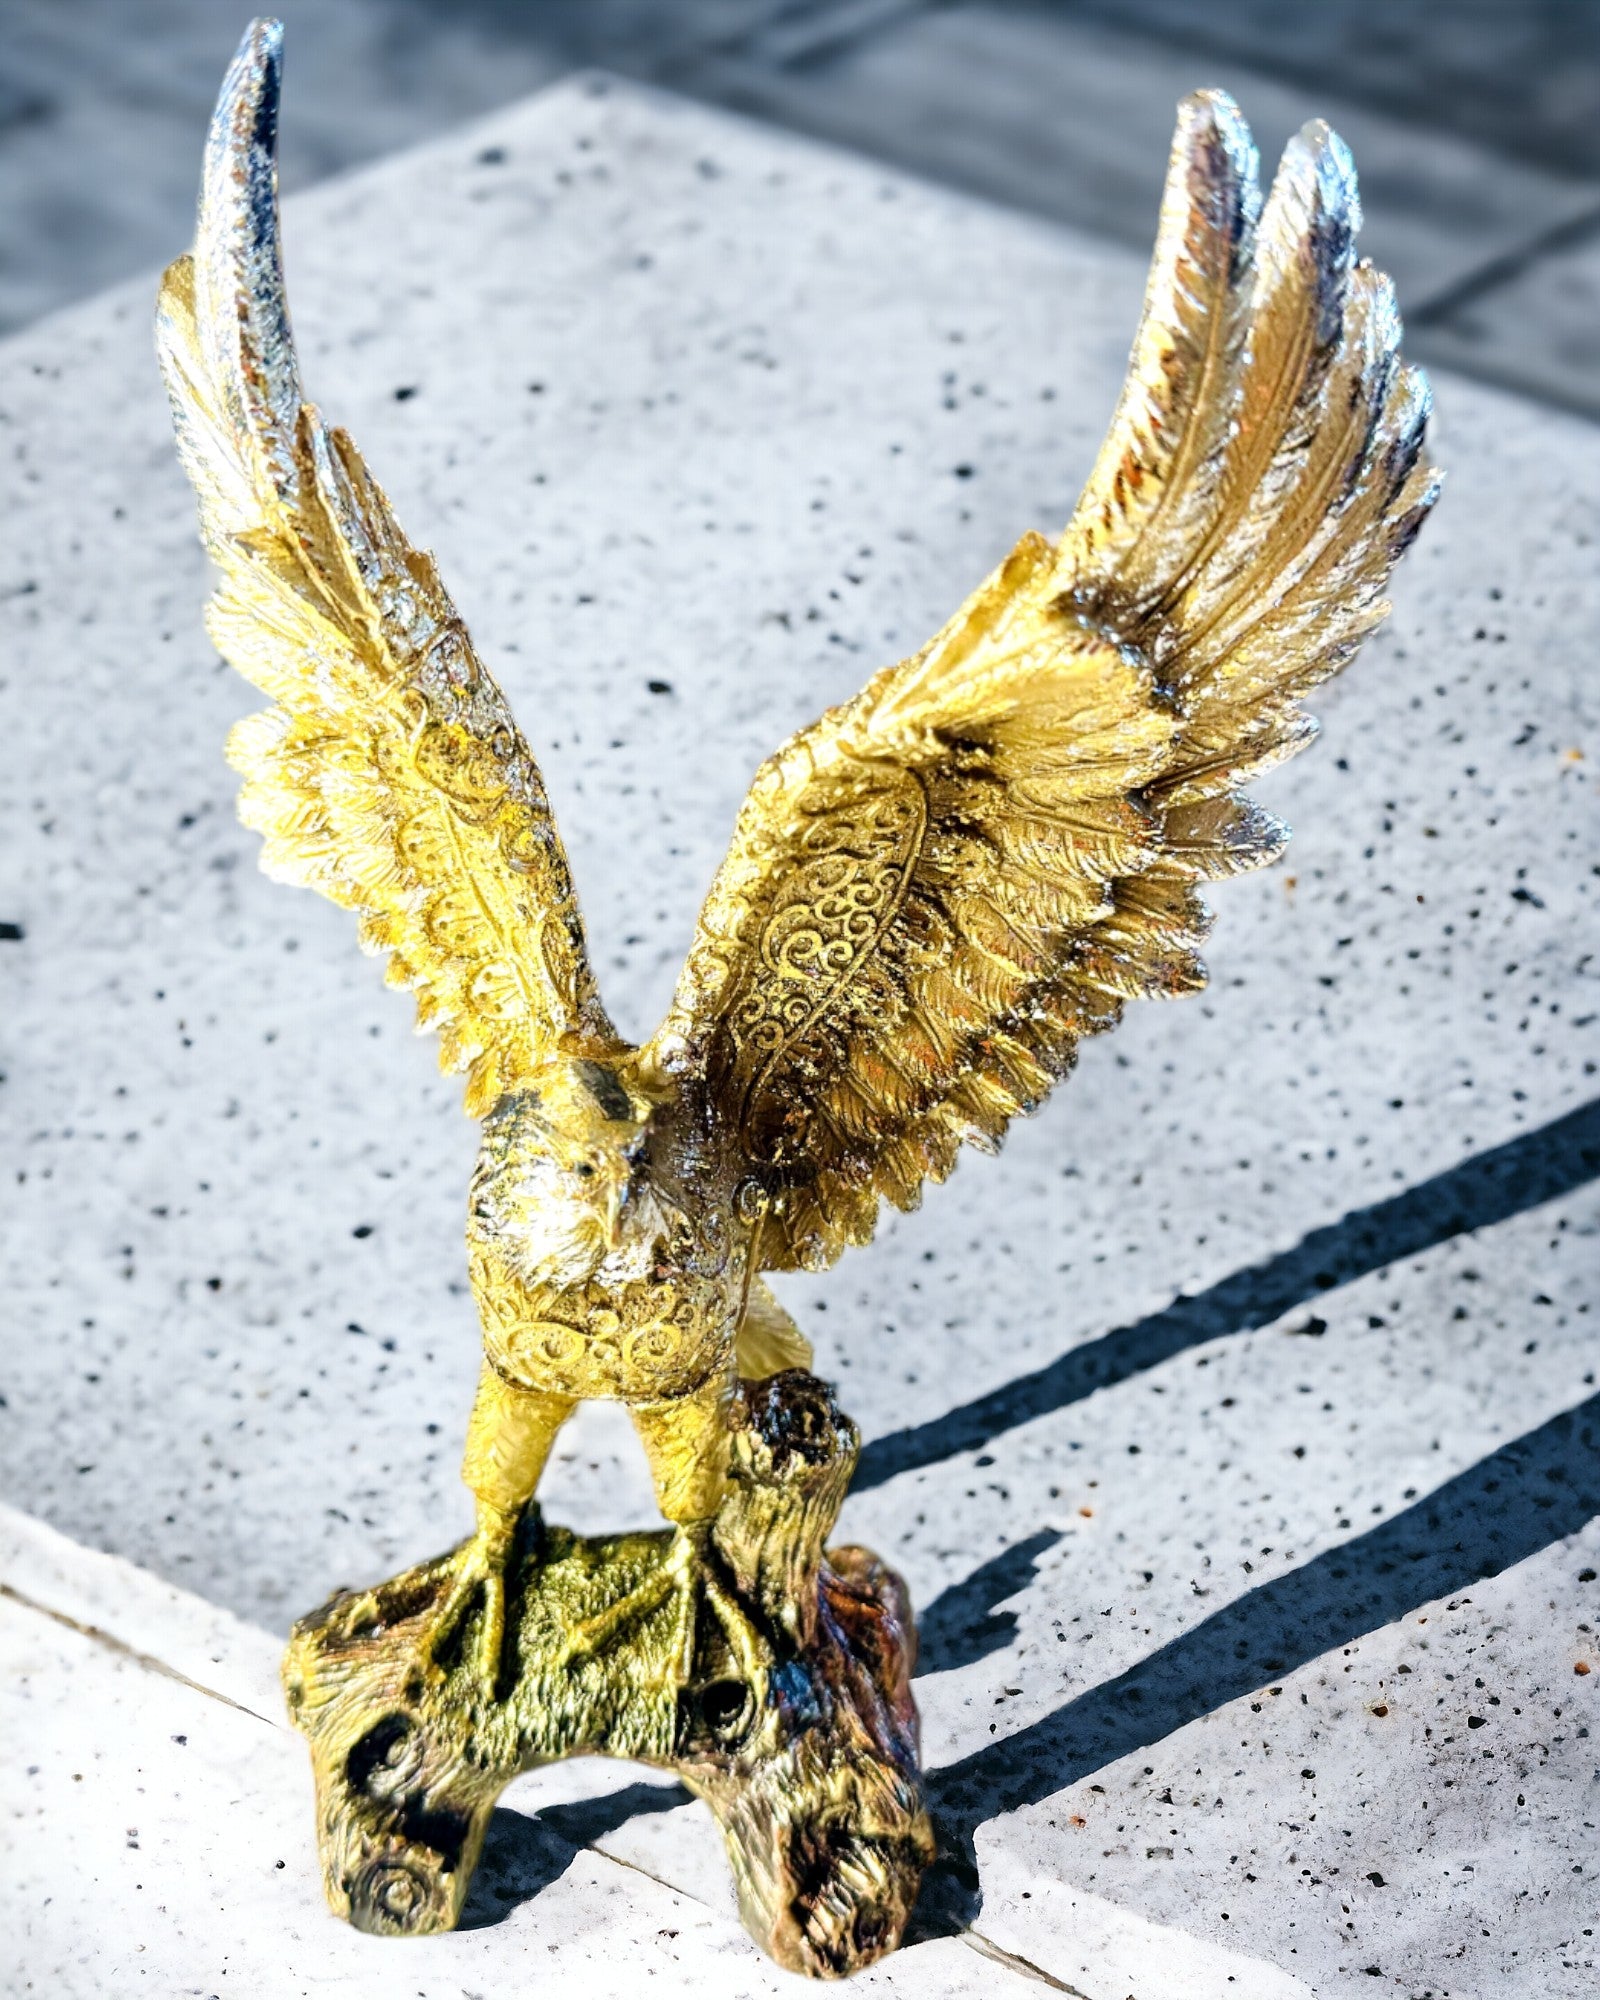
(389, 773)
(938, 889)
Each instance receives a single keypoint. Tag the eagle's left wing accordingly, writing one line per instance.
(936, 890)
(390, 773)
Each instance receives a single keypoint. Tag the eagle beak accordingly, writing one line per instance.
(616, 1201)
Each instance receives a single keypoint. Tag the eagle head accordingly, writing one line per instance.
(562, 1184)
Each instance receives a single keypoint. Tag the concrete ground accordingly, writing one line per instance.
(1237, 1429)
(1478, 121)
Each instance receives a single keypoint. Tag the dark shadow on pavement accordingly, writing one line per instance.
(1485, 1189)
(961, 1625)
(1536, 1490)
(524, 1853)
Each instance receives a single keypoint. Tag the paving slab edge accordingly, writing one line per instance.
(169, 1631)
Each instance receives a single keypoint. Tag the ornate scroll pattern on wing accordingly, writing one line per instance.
(857, 835)
(965, 963)
(1081, 728)
(389, 773)
(466, 748)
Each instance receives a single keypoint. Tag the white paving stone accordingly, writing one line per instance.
(157, 1841)
(155, 1836)
(759, 366)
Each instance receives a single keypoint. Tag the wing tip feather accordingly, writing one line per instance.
(1212, 117)
(241, 311)
(1215, 171)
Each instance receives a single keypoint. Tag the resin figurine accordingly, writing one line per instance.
(932, 894)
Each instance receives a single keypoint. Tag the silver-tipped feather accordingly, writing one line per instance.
(240, 302)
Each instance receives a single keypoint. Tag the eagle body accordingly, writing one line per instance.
(606, 1257)
(615, 1339)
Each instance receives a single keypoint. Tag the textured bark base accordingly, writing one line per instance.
(808, 1759)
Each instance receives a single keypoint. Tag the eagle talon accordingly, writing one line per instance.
(684, 1571)
(360, 1612)
(478, 1565)
(751, 1652)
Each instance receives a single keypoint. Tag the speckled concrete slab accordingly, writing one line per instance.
(1270, 1334)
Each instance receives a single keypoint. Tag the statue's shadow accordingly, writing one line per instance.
(523, 1853)
(1536, 1489)
(1532, 1491)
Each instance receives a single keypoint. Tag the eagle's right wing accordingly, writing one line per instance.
(935, 891)
(390, 773)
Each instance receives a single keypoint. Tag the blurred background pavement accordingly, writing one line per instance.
(1475, 123)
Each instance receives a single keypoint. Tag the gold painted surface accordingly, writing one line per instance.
(933, 893)
(811, 1770)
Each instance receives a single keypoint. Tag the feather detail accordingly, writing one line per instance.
(389, 775)
(938, 889)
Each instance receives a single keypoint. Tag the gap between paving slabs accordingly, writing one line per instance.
(159, 1629)
(1536, 1490)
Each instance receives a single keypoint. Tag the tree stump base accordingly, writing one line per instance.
(809, 1763)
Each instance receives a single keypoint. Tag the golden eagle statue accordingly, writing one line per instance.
(933, 893)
